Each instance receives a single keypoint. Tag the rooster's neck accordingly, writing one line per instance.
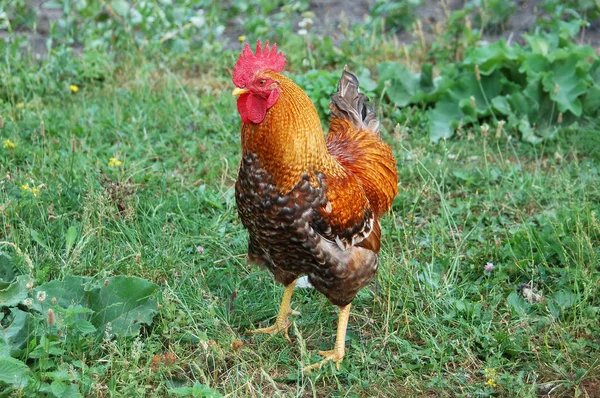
(289, 141)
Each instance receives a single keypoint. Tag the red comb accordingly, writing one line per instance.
(264, 59)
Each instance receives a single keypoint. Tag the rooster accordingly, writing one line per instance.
(311, 205)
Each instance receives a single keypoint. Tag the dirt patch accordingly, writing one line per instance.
(44, 18)
(331, 15)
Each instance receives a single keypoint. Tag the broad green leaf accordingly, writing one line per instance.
(570, 29)
(534, 64)
(442, 120)
(58, 388)
(564, 299)
(13, 293)
(71, 237)
(126, 303)
(491, 56)
(72, 290)
(595, 72)
(8, 269)
(542, 44)
(591, 101)
(403, 83)
(501, 105)
(554, 309)
(527, 132)
(365, 81)
(565, 84)
(71, 392)
(522, 105)
(197, 390)
(482, 92)
(517, 303)
(387, 71)
(14, 372)
(426, 78)
(14, 333)
(467, 108)
(84, 327)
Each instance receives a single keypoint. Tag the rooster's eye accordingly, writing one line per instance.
(262, 82)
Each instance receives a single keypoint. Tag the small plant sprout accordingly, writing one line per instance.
(489, 267)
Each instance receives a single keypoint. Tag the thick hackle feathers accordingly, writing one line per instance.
(354, 141)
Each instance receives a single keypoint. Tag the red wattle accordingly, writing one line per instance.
(257, 108)
(242, 108)
(253, 108)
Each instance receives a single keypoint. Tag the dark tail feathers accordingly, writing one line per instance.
(349, 103)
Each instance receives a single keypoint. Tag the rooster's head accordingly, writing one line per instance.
(258, 89)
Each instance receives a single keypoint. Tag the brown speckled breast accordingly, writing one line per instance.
(287, 234)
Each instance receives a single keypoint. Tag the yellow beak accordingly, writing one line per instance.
(238, 91)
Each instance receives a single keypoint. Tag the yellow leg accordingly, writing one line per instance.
(282, 322)
(337, 354)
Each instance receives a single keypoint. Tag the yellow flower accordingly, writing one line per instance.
(35, 191)
(241, 38)
(8, 144)
(114, 162)
(491, 383)
(20, 105)
(74, 88)
(490, 375)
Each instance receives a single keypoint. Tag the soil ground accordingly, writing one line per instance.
(331, 13)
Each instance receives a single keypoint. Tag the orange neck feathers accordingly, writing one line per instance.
(289, 141)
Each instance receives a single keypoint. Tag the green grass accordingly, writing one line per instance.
(430, 324)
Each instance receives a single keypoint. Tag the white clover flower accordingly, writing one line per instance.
(28, 302)
(41, 296)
